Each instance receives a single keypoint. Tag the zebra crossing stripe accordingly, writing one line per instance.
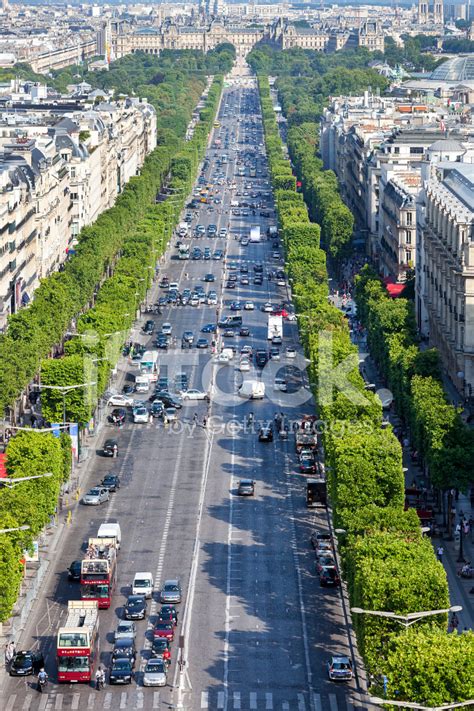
(301, 703)
(140, 699)
(253, 700)
(268, 701)
(11, 703)
(285, 706)
(59, 702)
(333, 702)
(317, 702)
(123, 700)
(156, 699)
(108, 700)
(220, 699)
(91, 701)
(27, 703)
(204, 699)
(236, 699)
(75, 701)
(43, 702)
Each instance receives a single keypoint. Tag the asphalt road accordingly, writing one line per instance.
(257, 627)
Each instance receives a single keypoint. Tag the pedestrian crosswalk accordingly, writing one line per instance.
(137, 699)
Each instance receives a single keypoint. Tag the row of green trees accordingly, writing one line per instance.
(102, 330)
(387, 563)
(30, 503)
(438, 433)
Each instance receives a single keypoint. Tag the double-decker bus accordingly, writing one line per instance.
(99, 571)
(77, 645)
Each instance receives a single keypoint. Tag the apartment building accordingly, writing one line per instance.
(59, 169)
(445, 268)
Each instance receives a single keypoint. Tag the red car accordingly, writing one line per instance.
(164, 628)
(281, 312)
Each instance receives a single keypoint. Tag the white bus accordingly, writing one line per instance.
(149, 365)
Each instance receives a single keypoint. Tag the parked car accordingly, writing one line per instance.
(26, 663)
(111, 482)
(246, 487)
(110, 447)
(339, 668)
(95, 496)
(329, 577)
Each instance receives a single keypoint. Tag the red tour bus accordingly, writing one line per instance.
(99, 571)
(78, 642)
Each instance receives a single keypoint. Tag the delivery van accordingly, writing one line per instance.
(143, 584)
(110, 530)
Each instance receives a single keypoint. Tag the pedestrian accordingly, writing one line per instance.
(8, 655)
(195, 417)
(115, 451)
(204, 421)
(440, 553)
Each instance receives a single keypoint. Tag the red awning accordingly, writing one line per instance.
(395, 290)
(3, 465)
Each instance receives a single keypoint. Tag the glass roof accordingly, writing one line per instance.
(455, 69)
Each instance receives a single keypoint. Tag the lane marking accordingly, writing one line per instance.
(204, 699)
(317, 702)
(301, 703)
(333, 702)
(268, 701)
(11, 702)
(253, 700)
(221, 699)
(236, 699)
(75, 701)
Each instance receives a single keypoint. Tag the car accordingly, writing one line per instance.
(244, 241)
(317, 537)
(218, 254)
(27, 662)
(329, 577)
(140, 414)
(128, 388)
(168, 399)
(164, 628)
(162, 342)
(280, 384)
(119, 400)
(209, 328)
(95, 496)
(135, 608)
(261, 358)
(171, 591)
(223, 232)
(258, 281)
(167, 329)
(209, 277)
(235, 306)
(194, 394)
(156, 408)
(162, 383)
(74, 570)
(265, 434)
(168, 612)
(207, 253)
(149, 327)
(267, 308)
(124, 648)
(164, 283)
(170, 415)
(118, 416)
(244, 331)
(229, 333)
(202, 343)
(244, 365)
(277, 341)
(161, 648)
(188, 337)
(258, 268)
(230, 284)
(111, 482)
(126, 629)
(274, 353)
(246, 487)
(110, 447)
(200, 229)
(244, 281)
(121, 672)
(324, 561)
(307, 464)
(339, 668)
(249, 306)
(212, 298)
(290, 352)
(155, 673)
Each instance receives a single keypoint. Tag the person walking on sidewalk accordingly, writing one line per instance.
(9, 654)
(440, 553)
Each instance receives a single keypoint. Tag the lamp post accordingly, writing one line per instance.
(12, 530)
(461, 558)
(410, 618)
(14, 482)
(421, 707)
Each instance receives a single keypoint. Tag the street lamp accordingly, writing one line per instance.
(412, 705)
(408, 619)
(14, 482)
(12, 530)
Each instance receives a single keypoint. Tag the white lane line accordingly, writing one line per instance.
(91, 701)
(301, 703)
(43, 702)
(123, 700)
(140, 699)
(221, 699)
(156, 699)
(10, 702)
(253, 700)
(204, 699)
(59, 702)
(227, 622)
(333, 702)
(317, 702)
(285, 706)
(268, 701)
(75, 701)
(108, 700)
(27, 703)
(237, 700)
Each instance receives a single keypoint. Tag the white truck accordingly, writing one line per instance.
(183, 229)
(142, 383)
(255, 233)
(275, 327)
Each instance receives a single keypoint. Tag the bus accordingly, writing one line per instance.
(99, 571)
(149, 365)
(77, 644)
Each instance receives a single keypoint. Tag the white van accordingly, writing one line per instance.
(143, 584)
(252, 390)
(142, 383)
(110, 530)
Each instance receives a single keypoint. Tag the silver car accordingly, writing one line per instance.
(126, 629)
(97, 495)
(155, 673)
(171, 592)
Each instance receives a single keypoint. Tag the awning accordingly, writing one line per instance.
(3, 465)
(395, 290)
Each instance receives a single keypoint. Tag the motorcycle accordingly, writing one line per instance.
(42, 684)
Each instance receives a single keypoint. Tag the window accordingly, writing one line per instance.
(396, 150)
(408, 256)
(408, 237)
(416, 150)
(409, 218)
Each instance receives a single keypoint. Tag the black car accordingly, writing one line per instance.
(110, 446)
(230, 285)
(121, 672)
(329, 577)
(160, 648)
(209, 277)
(149, 327)
(135, 607)
(162, 342)
(128, 389)
(202, 343)
(188, 337)
(258, 268)
(124, 648)
(265, 434)
(156, 408)
(168, 612)
(244, 331)
(168, 399)
(261, 358)
(26, 663)
(258, 281)
(111, 482)
(118, 416)
(163, 383)
(74, 570)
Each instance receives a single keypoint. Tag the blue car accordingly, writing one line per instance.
(209, 328)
